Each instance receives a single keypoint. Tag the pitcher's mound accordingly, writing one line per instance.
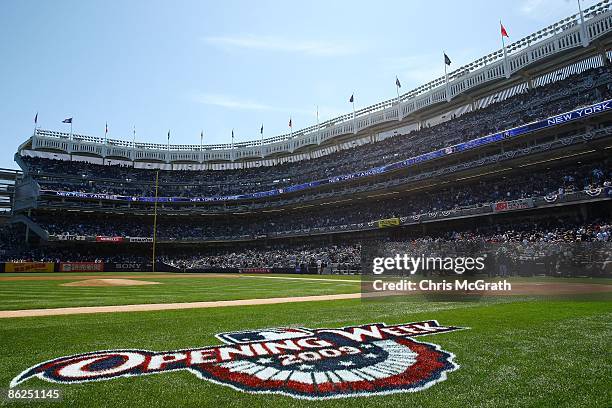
(110, 282)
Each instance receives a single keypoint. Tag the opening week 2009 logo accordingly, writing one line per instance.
(372, 359)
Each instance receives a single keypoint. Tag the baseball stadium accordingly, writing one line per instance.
(448, 247)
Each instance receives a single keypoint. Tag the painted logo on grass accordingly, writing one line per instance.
(365, 360)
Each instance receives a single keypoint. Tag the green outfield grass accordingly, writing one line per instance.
(102, 274)
(35, 294)
(517, 352)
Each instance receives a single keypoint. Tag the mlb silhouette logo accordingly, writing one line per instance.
(278, 333)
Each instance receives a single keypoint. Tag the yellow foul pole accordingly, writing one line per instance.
(155, 217)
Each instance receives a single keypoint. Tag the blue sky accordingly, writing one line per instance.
(192, 65)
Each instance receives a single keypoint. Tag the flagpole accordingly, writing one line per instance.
(445, 74)
(134, 146)
(505, 58)
(105, 132)
(446, 78)
(318, 127)
(353, 103)
(397, 88)
(506, 66)
(398, 85)
(261, 149)
(201, 155)
(155, 218)
(445, 71)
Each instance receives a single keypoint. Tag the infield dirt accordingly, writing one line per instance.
(109, 282)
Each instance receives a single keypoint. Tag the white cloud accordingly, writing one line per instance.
(530, 6)
(277, 44)
(301, 117)
(230, 102)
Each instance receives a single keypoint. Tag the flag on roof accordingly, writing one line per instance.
(67, 120)
(352, 98)
(397, 82)
(447, 60)
(504, 33)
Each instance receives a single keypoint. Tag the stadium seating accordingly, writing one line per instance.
(476, 194)
(564, 239)
(586, 87)
(512, 193)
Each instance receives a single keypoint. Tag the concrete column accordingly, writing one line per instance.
(604, 58)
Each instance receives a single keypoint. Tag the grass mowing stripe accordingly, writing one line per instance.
(305, 279)
(49, 294)
(516, 353)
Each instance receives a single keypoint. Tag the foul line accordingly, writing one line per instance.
(148, 307)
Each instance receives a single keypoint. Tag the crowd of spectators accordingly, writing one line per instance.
(280, 257)
(560, 246)
(577, 90)
(516, 240)
(554, 181)
(12, 237)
